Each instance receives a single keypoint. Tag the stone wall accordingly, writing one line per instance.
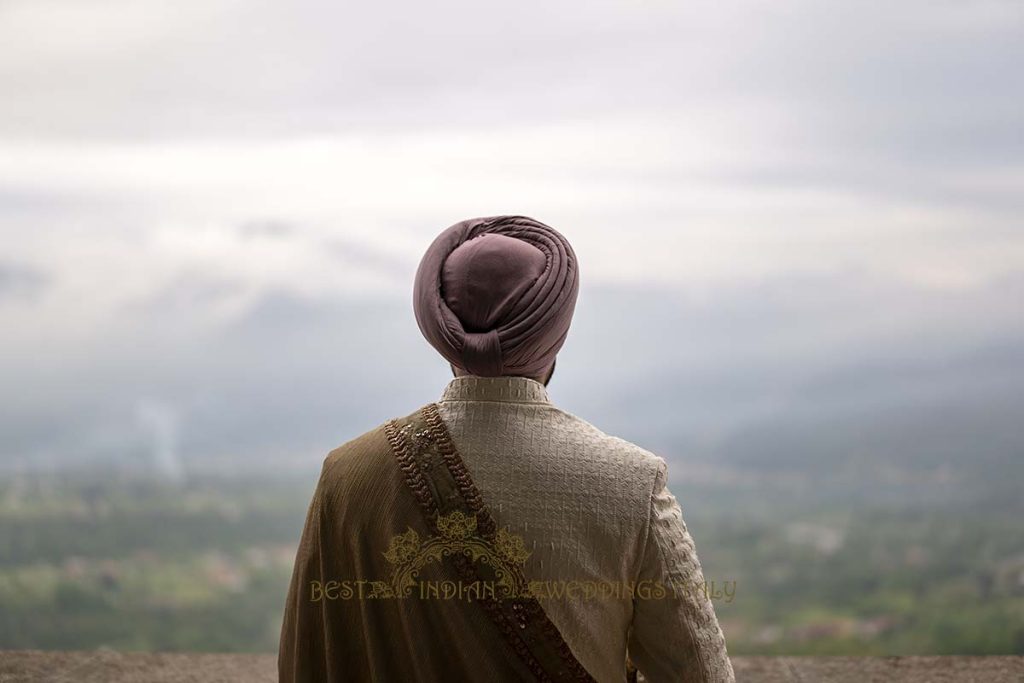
(109, 666)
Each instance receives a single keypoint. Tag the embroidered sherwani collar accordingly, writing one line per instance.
(503, 389)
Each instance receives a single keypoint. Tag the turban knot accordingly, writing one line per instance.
(495, 296)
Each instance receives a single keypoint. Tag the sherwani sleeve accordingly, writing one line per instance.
(303, 652)
(675, 637)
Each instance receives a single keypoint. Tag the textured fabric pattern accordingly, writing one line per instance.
(589, 507)
(679, 632)
(592, 508)
(436, 474)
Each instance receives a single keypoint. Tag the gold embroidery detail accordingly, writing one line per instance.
(457, 537)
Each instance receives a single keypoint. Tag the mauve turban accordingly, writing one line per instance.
(495, 296)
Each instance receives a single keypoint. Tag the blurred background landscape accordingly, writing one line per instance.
(802, 259)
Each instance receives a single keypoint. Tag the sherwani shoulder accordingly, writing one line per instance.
(592, 509)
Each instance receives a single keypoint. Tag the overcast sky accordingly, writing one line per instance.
(210, 213)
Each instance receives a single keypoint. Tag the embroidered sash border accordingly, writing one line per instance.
(439, 480)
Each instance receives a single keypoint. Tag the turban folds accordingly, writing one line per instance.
(495, 295)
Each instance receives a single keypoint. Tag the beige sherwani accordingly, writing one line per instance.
(592, 509)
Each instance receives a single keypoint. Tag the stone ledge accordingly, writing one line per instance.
(108, 666)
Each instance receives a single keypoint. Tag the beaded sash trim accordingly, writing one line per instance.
(439, 480)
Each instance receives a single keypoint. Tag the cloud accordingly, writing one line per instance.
(792, 211)
(732, 379)
(861, 71)
(19, 281)
(266, 229)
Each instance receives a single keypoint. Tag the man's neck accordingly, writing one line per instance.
(543, 379)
